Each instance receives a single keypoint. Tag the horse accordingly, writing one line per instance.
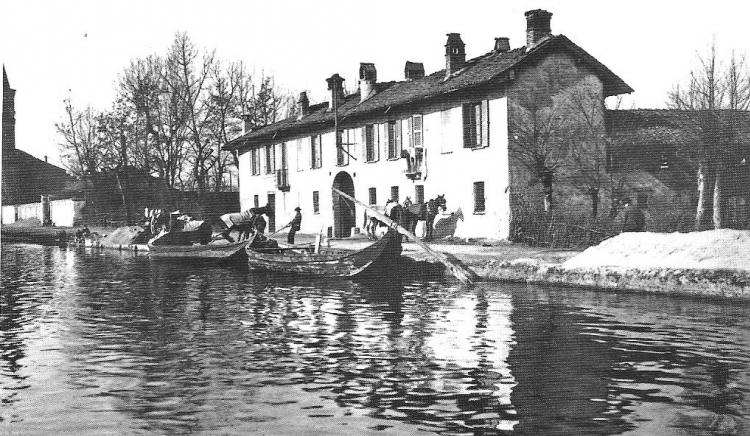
(423, 212)
(245, 222)
(446, 226)
(372, 223)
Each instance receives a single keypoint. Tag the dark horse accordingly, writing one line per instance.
(423, 212)
(372, 223)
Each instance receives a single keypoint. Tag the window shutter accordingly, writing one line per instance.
(418, 131)
(466, 111)
(485, 123)
(409, 129)
(311, 161)
(380, 137)
(399, 142)
(364, 144)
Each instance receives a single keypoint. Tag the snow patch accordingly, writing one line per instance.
(713, 249)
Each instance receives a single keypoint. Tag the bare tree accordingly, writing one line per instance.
(717, 92)
(588, 143)
(538, 124)
(147, 85)
(188, 84)
(81, 151)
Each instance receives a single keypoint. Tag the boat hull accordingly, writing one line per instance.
(381, 256)
(208, 251)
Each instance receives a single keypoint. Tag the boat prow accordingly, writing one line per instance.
(382, 255)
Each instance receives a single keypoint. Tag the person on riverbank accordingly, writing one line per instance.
(294, 225)
(633, 218)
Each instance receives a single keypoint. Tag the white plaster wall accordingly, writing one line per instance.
(451, 173)
(28, 211)
(453, 170)
(62, 212)
(9, 214)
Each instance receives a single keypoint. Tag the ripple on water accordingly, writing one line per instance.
(139, 346)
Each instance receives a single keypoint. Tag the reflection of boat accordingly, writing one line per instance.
(193, 240)
(381, 255)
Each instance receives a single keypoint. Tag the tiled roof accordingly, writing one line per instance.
(625, 120)
(478, 71)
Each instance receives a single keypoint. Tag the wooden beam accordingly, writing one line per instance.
(458, 271)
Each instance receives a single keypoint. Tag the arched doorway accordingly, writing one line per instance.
(343, 209)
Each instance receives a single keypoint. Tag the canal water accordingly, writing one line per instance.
(108, 343)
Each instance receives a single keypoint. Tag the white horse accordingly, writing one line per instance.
(371, 223)
(446, 226)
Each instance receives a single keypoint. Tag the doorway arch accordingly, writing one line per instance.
(344, 212)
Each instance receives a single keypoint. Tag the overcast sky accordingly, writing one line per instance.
(53, 50)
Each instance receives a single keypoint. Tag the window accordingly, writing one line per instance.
(394, 139)
(300, 153)
(415, 124)
(478, 197)
(316, 202)
(255, 161)
(419, 194)
(342, 148)
(373, 196)
(270, 159)
(394, 193)
(284, 157)
(316, 160)
(476, 124)
(256, 201)
(445, 131)
(371, 135)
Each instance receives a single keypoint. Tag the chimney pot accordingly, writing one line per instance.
(413, 70)
(502, 45)
(303, 105)
(246, 124)
(537, 26)
(455, 56)
(368, 77)
(336, 86)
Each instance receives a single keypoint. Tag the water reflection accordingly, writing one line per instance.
(117, 343)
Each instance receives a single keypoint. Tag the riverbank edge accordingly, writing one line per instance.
(710, 283)
(511, 263)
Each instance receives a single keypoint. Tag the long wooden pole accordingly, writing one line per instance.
(457, 270)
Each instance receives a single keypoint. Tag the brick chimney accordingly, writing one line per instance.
(413, 70)
(303, 105)
(537, 27)
(247, 125)
(368, 78)
(455, 56)
(502, 45)
(336, 86)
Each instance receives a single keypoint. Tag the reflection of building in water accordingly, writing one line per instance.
(474, 340)
(562, 373)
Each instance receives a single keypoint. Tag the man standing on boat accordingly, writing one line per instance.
(294, 225)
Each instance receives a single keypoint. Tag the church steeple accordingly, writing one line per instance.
(9, 113)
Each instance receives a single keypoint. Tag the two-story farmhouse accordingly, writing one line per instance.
(447, 133)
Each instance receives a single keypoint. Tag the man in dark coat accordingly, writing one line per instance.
(294, 225)
(633, 218)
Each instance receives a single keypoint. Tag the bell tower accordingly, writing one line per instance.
(9, 114)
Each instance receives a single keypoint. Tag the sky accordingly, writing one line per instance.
(53, 50)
